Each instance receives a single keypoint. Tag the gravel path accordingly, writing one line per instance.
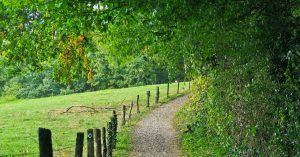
(155, 135)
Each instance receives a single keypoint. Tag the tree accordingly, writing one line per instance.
(241, 46)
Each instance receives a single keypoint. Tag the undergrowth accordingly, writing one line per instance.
(237, 110)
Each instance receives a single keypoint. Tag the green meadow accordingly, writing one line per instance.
(20, 119)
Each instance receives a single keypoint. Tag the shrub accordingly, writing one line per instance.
(12, 87)
(237, 110)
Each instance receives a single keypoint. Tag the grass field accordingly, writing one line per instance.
(20, 119)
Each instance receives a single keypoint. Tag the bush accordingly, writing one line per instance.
(66, 91)
(12, 87)
(237, 110)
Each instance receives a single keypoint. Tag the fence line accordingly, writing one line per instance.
(97, 146)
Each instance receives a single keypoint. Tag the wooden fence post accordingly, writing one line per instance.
(131, 106)
(168, 90)
(97, 133)
(45, 143)
(109, 139)
(104, 142)
(79, 144)
(189, 85)
(148, 98)
(137, 104)
(124, 115)
(115, 128)
(178, 87)
(90, 143)
(157, 95)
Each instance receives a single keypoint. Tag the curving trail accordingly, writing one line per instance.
(155, 135)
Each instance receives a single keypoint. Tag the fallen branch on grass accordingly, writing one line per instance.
(85, 109)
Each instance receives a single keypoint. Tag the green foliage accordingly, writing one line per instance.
(247, 57)
(12, 87)
(35, 85)
(248, 52)
(235, 111)
(137, 72)
(50, 30)
(3, 79)
(66, 91)
(140, 72)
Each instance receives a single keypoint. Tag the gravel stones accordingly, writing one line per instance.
(155, 135)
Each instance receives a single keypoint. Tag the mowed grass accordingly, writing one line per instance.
(20, 119)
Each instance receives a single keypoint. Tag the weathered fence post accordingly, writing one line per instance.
(115, 128)
(177, 87)
(79, 144)
(137, 104)
(112, 121)
(131, 106)
(109, 139)
(148, 98)
(124, 115)
(104, 142)
(168, 90)
(90, 143)
(97, 133)
(157, 95)
(45, 143)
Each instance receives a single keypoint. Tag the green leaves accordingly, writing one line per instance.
(248, 49)
(36, 32)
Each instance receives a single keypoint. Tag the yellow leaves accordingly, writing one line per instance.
(80, 38)
(68, 48)
(80, 51)
(65, 58)
(85, 63)
(200, 84)
(77, 41)
(2, 34)
(73, 59)
(20, 26)
(145, 49)
(5, 53)
(59, 44)
(73, 50)
(65, 154)
(90, 74)
(47, 14)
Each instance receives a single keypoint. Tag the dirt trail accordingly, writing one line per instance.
(155, 135)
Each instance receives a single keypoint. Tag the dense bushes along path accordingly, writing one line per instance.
(155, 135)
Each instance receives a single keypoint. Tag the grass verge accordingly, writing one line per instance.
(182, 120)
